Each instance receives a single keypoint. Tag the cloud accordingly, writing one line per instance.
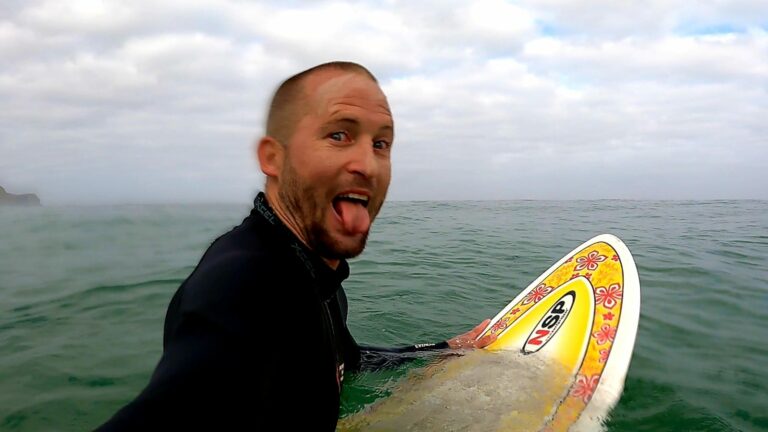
(599, 20)
(679, 60)
(107, 101)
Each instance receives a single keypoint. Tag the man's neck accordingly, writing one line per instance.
(273, 199)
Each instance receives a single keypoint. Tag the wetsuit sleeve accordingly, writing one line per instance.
(369, 358)
(205, 378)
(366, 358)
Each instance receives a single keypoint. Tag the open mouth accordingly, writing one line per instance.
(350, 197)
(352, 211)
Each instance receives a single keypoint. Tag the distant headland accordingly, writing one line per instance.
(21, 199)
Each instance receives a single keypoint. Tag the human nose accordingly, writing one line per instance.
(363, 159)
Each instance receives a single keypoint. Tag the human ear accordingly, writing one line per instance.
(271, 155)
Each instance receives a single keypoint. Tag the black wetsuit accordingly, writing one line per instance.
(256, 331)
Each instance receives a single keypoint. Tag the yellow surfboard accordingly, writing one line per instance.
(559, 362)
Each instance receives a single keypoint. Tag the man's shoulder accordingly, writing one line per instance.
(246, 249)
(238, 259)
(227, 284)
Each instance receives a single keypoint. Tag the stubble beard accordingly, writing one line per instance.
(308, 214)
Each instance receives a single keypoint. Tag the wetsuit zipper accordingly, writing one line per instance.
(338, 361)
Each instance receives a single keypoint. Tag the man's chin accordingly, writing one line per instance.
(342, 247)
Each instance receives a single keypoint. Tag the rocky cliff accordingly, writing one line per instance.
(21, 199)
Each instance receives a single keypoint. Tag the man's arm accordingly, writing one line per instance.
(374, 358)
(208, 375)
(367, 358)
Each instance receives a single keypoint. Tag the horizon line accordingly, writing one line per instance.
(456, 200)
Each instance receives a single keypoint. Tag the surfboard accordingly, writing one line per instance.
(559, 362)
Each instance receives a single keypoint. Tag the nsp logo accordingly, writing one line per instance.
(549, 324)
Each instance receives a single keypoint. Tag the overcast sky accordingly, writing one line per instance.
(161, 101)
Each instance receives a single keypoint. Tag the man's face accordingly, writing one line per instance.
(337, 168)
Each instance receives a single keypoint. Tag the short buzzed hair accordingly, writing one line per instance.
(284, 110)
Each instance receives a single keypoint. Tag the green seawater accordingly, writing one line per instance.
(84, 290)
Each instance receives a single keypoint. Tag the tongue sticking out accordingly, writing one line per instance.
(354, 216)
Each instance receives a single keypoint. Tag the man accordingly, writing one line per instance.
(228, 361)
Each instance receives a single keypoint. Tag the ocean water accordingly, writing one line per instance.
(83, 294)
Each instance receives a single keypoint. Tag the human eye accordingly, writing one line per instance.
(339, 136)
(382, 145)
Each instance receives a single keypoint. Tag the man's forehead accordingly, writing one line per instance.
(331, 91)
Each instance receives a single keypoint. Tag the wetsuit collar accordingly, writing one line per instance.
(328, 280)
